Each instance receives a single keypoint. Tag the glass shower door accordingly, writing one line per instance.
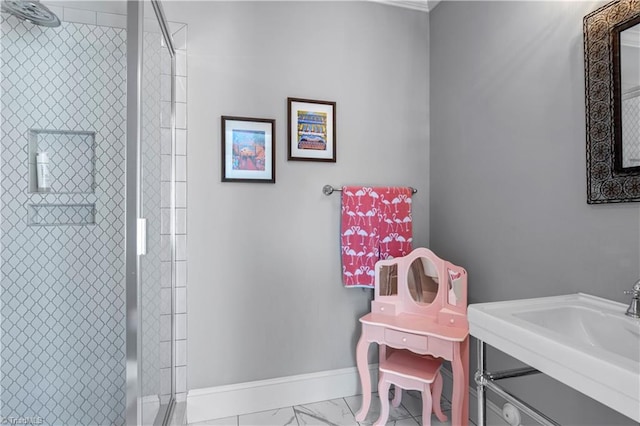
(156, 210)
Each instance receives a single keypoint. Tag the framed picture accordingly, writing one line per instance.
(248, 149)
(312, 130)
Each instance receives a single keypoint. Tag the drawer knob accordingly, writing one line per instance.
(382, 308)
(452, 321)
(404, 339)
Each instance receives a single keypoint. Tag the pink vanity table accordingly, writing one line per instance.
(420, 305)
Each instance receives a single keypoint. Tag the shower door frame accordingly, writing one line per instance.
(135, 240)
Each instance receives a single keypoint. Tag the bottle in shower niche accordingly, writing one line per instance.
(42, 172)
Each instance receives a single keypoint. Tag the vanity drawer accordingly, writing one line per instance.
(404, 340)
(383, 308)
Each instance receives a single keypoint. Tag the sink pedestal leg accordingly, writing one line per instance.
(482, 397)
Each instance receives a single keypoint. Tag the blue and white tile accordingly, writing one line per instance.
(332, 412)
(279, 417)
(395, 413)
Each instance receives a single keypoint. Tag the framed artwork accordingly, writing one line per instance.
(248, 149)
(312, 130)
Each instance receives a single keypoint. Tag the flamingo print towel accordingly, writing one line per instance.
(376, 224)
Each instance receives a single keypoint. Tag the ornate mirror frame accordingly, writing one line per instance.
(605, 182)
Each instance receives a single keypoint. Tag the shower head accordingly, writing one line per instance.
(32, 11)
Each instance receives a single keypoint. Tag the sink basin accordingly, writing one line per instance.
(583, 341)
(590, 327)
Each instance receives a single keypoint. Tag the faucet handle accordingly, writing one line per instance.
(635, 290)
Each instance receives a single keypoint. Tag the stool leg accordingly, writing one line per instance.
(436, 387)
(397, 398)
(383, 393)
(427, 405)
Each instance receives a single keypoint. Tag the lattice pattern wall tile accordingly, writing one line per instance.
(71, 159)
(61, 214)
(63, 287)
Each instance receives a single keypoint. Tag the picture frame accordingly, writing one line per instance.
(311, 130)
(248, 149)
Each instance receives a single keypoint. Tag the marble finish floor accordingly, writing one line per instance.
(337, 412)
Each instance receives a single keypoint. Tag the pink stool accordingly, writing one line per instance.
(409, 371)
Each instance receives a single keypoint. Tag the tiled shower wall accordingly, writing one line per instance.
(179, 34)
(156, 282)
(63, 285)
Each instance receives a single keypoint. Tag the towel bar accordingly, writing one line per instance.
(328, 190)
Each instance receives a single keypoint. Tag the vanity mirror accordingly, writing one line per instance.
(612, 89)
(422, 280)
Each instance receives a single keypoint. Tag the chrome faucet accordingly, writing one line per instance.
(634, 308)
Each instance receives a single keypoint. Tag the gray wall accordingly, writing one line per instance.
(508, 185)
(265, 295)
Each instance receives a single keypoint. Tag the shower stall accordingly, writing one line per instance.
(87, 213)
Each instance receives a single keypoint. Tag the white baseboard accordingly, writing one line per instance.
(250, 397)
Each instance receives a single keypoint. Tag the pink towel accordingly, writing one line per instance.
(376, 224)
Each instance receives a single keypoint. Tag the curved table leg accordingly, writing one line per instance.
(397, 397)
(427, 405)
(460, 366)
(383, 392)
(464, 355)
(436, 394)
(363, 370)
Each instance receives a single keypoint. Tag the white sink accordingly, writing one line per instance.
(583, 341)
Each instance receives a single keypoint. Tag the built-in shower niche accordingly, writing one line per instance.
(72, 159)
(61, 214)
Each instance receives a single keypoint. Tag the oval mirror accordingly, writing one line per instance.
(423, 281)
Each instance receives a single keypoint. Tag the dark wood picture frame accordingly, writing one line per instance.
(248, 149)
(311, 130)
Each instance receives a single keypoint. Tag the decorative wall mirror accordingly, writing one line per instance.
(612, 89)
